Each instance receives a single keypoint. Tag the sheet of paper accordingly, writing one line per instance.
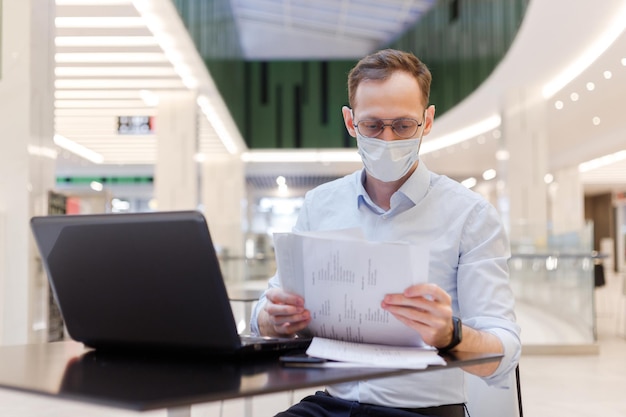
(380, 356)
(343, 279)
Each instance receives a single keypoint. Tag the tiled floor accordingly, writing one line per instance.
(552, 385)
(585, 385)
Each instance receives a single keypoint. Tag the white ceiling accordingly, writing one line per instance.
(110, 54)
(554, 34)
(324, 29)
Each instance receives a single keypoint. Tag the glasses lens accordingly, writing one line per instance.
(405, 128)
(370, 128)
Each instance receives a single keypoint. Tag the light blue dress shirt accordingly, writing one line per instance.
(469, 251)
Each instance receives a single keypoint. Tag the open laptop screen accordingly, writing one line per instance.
(140, 279)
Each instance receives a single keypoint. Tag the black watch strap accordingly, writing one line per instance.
(457, 334)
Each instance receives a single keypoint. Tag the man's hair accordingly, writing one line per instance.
(382, 64)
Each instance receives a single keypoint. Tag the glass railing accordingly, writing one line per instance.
(241, 269)
(553, 282)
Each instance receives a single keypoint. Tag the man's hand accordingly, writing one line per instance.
(283, 315)
(426, 308)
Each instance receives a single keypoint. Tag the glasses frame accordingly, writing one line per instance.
(384, 125)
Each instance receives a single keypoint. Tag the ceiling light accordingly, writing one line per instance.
(548, 178)
(99, 22)
(502, 155)
(558, 104)
(92, 2)
(95, 94)
(110, 83)
(96, 186)
(588, 57)
(42, 151)
(151, 71)
(624, 62)
(607, 74)
(319, 155)
(573, 96)
(595, 121)
(218, 125)
(590, 86)
(489, 174)
(108, 57)
(602, 161)
(125, 41)
(460, 135)
(77, 149)
(162, 19)
(101, 112)
(97, 104)
(149, 98)
(120, 205)
(283, 190)
(469, 182)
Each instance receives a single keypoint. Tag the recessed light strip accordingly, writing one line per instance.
(135, 71)
(318, 155)
(461, 135)
(77, 149)
(218, 125)
(92, 2)
(163, 21)
(126, 41)
(109, 57)
(588, 57)
(99, 22)
(115, 83)
(602, 161)
(453, 138)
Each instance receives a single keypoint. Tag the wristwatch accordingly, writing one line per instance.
(457, 334)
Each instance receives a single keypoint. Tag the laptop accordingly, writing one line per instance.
(138, 281)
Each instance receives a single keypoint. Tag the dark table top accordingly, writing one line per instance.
(142, 382)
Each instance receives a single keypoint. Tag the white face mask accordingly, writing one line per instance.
(389, 160)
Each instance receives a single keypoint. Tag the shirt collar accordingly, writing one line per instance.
(415, 187)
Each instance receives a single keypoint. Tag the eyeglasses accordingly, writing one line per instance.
(404, 128)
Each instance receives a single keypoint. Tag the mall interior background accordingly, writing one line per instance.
(233, 110)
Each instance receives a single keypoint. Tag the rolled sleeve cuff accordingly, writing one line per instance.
(508, 333)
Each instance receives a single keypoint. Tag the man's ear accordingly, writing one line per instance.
(429, 119)
(348, 120)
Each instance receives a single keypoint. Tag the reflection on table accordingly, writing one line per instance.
(143, 382)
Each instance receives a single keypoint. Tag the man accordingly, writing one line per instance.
(467, 303)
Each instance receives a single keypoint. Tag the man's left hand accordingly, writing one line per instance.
(427, 309)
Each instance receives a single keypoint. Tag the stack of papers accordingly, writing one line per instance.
(343, 279)
(350, 354)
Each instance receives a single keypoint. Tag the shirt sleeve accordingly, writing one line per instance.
(486, 301)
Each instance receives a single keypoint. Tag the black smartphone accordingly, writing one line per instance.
(300, 358)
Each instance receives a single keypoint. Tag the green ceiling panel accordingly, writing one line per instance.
(297, 104)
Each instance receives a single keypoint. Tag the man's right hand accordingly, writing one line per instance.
(283, 315)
